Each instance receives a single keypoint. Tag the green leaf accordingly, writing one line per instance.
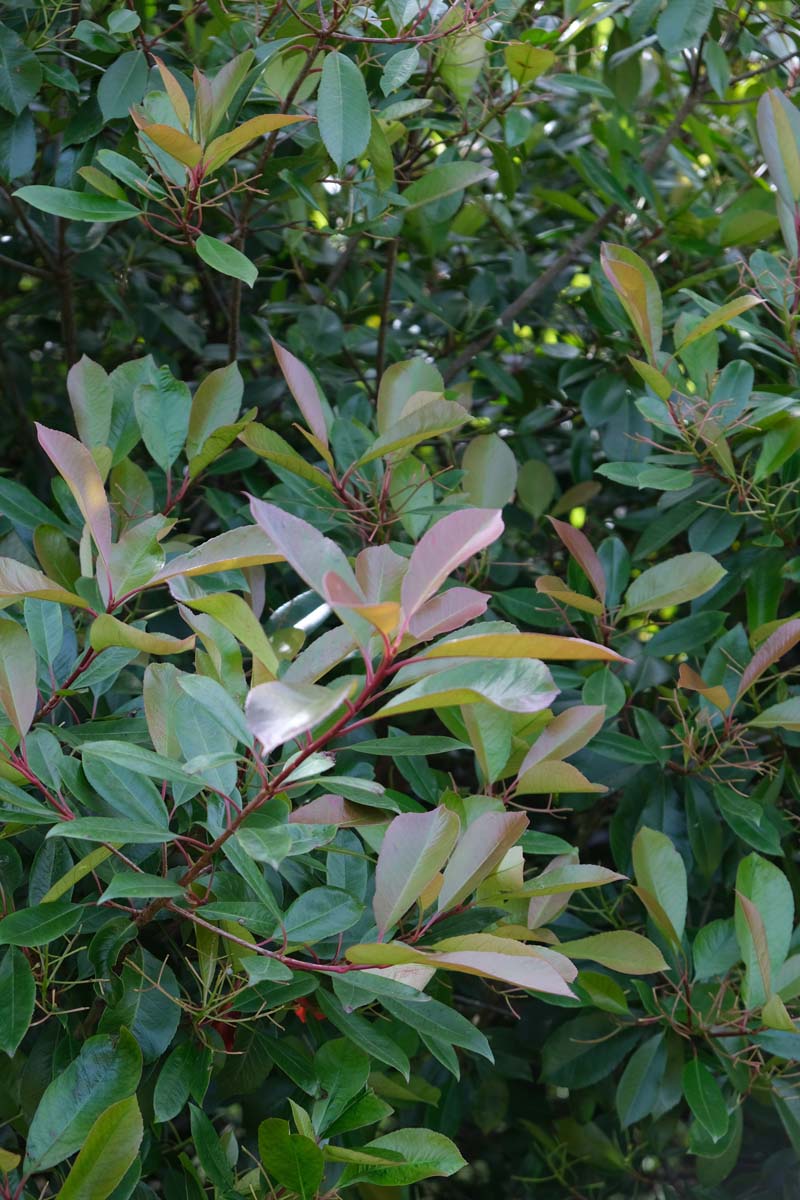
(162, 412)
(428, 1016)
(407, 746)
(137, 759)
(490, 472)
(720, 316)
(216, 402)
(705, 1099)
(130, 174)
(441, 181)
(185, 1073)
(91, 397)
(319, 913)
(585, 1050)
(343, 111)
(369, 1036)
(122, 84)
(40, 924)
(785, 715)
(620, 950)
(292, 1160)
(226, 259)
(76, 206)
(526, 63)
(660, 871)
(17, 145)
(20, 72)
(134, 885)
(683, 23)
(111, 829)
(779, 134)
(429, 421)
(398, 69)
(106, 1071)
(571, 878)
(17, 999)
(639, 1083)
(111, 1146)
(270, 445)
(76, 873)
(147, 1005)
(748, 820)
(673, 581)
(210, 1151)
(421, 1154)
(414, 849)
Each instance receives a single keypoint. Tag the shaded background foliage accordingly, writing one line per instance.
(638, 126)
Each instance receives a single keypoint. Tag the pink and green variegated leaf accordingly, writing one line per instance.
(384, 615)
(472, 643)
(415, 847)
(380, 572)
(75, 464)
(312, 556)
(636, 287)
(516, 685)
(305, 390)
(451, 542)
(507, 961)
(447, 612)
(777, 644)
(324, 653)
(277, 713)
(478, 852)
(18, 580)
(565, 735)
(584, 554)
(246, 547)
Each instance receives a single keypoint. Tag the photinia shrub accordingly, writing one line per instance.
(231, 849)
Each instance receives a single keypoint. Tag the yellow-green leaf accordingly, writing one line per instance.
(107, 631)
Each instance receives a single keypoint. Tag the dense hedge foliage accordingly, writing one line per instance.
(398, 664)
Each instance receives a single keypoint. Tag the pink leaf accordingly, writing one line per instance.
(303, 387)
(306, 550)
(415, 847)
(449, 543)
(478, 852)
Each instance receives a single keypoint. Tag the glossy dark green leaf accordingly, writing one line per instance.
(17, 998)
(106, 1071)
